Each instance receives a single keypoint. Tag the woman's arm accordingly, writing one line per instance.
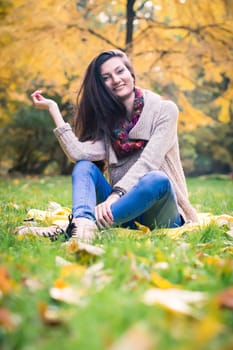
(73, 148)
(40, 102)
(77, 150)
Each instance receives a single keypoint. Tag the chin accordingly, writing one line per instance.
(121, 97)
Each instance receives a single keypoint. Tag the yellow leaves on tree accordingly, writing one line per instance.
(175, 43)
(225, 102)
(189, 116)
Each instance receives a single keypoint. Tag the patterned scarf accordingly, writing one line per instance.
(122, 144)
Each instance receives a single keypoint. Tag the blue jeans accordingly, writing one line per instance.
(151, 202)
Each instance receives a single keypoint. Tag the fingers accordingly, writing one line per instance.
(103, 212)
(103, 215)
(36, 96)
(40, 102)
(37, 92)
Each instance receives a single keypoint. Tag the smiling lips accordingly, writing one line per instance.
(119, 87)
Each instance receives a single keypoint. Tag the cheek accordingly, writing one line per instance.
(107, 83)
(131, 79)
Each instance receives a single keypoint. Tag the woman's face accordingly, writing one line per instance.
(117, 78)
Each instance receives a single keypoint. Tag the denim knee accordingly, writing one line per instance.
(83, 166)
(155, 179)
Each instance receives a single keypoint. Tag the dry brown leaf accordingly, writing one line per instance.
(161, 265)
(96, 277)
(6, 283)
(230, 233)
(69, 294)
(227, 250)
(8, 321)
(175, 300)
(61, 262)
(225, 298)
(221, 265)
(32, 284)
(82, 279)
(77, 247)
(51, 315)
(137, 337)
(224, 219)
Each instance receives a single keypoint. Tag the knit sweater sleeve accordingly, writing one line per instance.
(77, 150)
(163, 137)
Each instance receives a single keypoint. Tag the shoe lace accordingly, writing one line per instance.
(70, 228)
(59, 231)
(54, 236)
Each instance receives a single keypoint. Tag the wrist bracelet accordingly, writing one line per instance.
(118, 191)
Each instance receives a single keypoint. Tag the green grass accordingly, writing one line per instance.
(112, 308)
(212, 195)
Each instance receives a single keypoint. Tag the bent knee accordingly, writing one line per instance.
(83, 166)
(156, 179)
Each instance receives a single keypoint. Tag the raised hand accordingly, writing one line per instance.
(40, 102)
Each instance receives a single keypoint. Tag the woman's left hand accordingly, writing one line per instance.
(103, 212)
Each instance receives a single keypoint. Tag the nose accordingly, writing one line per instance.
(115, 78)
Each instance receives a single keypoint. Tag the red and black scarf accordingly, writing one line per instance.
(121, 143)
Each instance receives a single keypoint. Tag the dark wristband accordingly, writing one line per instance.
(118, 191)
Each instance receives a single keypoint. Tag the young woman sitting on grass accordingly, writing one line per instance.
(132, 133)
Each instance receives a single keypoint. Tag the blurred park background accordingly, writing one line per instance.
(181, 49)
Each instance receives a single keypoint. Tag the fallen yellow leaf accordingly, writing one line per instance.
(143, 228)
(6, 283)
(161, 282)
(60, 283)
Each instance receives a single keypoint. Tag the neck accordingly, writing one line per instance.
(129, 102)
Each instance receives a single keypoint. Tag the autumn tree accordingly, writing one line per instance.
(179, 43)
(180, 48)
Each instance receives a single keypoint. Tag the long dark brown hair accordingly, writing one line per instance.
(98, 110)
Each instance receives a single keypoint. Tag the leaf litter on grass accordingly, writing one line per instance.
(194, 266)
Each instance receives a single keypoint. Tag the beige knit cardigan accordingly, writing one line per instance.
(157, 125)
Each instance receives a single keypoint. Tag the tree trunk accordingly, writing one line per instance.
(130, 14)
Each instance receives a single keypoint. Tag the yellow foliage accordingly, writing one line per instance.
(225, 102)
(50, 43)
(189, 116)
